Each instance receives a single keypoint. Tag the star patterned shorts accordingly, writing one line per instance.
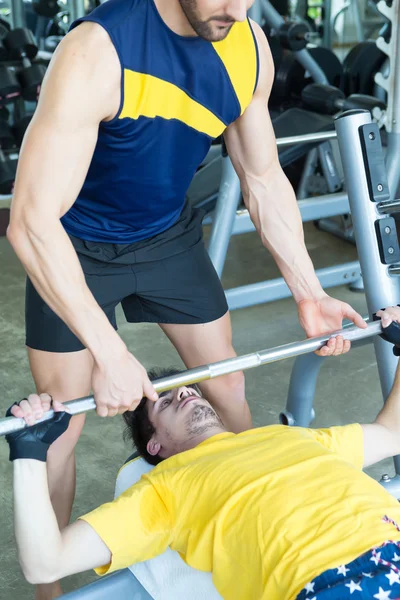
(373, 575)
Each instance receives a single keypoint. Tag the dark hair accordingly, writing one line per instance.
(139, 427)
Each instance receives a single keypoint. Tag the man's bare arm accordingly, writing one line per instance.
(45, 553)
(57, 150)
(266, 190)
(273, 208)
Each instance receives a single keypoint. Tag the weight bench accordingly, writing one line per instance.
(122, 585)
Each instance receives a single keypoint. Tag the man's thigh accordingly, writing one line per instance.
(182, 289)
(207, 343)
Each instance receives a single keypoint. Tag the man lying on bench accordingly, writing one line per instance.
(274, 513)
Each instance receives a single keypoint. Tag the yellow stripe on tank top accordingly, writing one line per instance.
(149, 96)
(239, 55)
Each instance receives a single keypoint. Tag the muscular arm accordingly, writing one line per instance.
(81, 89)
(54, 160)
(267, 192)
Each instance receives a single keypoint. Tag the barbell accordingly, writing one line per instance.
(223, 367)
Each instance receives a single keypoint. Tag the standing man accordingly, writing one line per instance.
(130, 104)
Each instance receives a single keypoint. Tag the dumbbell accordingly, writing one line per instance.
(7, 166)
(21, 45)
(295, 36)
(328, 99)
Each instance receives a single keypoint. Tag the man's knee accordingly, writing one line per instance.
(227, 389)
(234, 384)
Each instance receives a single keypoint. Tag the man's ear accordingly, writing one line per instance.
(153, 447)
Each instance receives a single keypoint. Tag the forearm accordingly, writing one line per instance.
(389, 416)
(36, 529)
(53, 267)
(274, 211)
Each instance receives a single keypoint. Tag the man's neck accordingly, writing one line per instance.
(173, 16)
(195, 440)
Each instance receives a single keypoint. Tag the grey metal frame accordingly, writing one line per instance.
(17, 14)
(228, 221)
(121, 585)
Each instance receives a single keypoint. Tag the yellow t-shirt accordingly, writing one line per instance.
(266, 510)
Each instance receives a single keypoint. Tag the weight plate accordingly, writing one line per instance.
(290, 76)
(330, 64)
(360, 66)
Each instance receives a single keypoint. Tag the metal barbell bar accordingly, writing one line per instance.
(223, 367)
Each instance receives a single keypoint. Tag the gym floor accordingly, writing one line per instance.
(348, 389)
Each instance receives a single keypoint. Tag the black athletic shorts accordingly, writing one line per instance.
(165, 279)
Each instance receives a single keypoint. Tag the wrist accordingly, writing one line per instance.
(28, 450)
(106, 348)
(26, 467)
(313, 294)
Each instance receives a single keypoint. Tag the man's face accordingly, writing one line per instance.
(213, 19)
(179, 417)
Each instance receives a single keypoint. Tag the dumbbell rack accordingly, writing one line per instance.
(20, 79)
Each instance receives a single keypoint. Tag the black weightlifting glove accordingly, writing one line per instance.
(391, 334)
(33, 442)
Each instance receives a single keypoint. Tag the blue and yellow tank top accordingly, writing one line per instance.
(177, 95)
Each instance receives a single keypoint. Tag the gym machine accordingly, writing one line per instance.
(378, 248)
(375, 236)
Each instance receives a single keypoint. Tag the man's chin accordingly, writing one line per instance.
(216, 33)
(199, 413)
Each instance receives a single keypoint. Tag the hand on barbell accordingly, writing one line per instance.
(388, 315)
(32, 408)
(324, 315)
(119, 382)
(33, 442)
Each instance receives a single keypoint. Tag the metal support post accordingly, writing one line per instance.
(224, 215)
(255, 12)
(362, 158)
(17, 14)
(303, 380)
(76, 9)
